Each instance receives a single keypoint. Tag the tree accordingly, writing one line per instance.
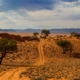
(6, 46)
(72, 33)
(66, 45)
(35, 34)
(75, 34)
(46, 32)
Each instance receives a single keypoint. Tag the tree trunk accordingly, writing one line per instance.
(70, 51)
(3, 55)
(64, 50)
(1, 60)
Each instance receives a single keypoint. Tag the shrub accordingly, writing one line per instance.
(66, 45)
(29, 38)
(39, 78)
(75, 34)
(76, 55)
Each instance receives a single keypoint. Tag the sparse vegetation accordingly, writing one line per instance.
(61, 69)
(6, 46)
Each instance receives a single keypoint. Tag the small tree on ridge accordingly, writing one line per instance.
(66, 45)
(46, 32)
(35, 34)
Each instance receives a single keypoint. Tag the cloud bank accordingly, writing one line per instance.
(39, 14)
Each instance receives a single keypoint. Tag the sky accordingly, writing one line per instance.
(39, 14)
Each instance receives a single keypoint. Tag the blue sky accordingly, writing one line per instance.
(22, 14)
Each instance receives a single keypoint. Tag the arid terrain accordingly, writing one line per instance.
(42, 60)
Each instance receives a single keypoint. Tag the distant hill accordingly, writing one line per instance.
(64, 30)
(7, 30)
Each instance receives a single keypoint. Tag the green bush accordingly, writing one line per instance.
(65, 44)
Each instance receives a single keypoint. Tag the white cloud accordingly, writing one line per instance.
(65, 14)
(78, 0)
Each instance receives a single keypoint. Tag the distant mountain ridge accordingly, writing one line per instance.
(63, 30)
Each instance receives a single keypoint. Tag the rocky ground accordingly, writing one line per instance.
(58, 69)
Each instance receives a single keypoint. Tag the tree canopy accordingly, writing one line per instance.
(66, 45)
(35, 34)
(6, 46)
(46, 32)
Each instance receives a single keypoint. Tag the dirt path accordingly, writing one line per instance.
(13, 74)
(41, 53)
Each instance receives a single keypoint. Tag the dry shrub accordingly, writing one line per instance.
(12, 37)
(19, 38)
(29, 38)
(26, 37)
(39, 78)
(77, 79)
